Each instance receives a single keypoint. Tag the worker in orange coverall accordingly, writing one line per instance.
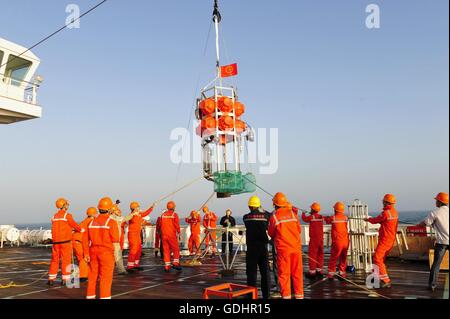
(77, 243)
(339, 242)
(315, 250)
(285, 230)
(134, 237)
(194, 220)
(62, 225)
(103, 233)
(210, 222)
(170, 231)
(386, 236)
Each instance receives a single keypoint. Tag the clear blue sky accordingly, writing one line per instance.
(360, 112)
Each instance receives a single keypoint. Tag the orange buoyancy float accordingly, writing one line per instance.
(239, 108)
(226, 123)
(225, 104)
(208, 106)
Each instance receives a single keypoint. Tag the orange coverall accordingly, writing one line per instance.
(77, 243)
(210, 221)
(339, 245)
(315, 250)
(62, 225)
(194, 239)
(103, 232)
(134, 239)
(386, 238)
(285, 230)
(170, 229)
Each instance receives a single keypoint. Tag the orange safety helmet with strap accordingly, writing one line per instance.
(390, 199)
(91, 212)
(171, 205)
(134, 205)
(442, 197)
(280, 200)
(339, 207)
(316, 207)
(61, 202)
(105, 204)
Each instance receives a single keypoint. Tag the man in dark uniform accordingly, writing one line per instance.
(256, 223)
(227, 221)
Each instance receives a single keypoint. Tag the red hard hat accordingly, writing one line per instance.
(442, 197)
(280, 200)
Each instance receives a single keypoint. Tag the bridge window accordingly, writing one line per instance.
(1, 57)
(16, 69)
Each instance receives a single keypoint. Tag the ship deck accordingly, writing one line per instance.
(28, 266)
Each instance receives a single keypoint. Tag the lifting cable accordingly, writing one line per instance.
(372, 292)
(56, 32)
(188, 126)
(178, 190)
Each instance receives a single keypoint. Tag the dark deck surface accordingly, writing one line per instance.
(25, 265)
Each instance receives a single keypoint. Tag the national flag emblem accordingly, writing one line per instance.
(229, 70)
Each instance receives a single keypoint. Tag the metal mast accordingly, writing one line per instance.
(217, 18)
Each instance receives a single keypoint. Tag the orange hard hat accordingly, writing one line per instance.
(389, 198)
(316, 207)
(280, 200)
(205, 209)
(91, 211)
(339, 207)
(134, 205)
(171, 205)
(105, 204)
(61, 202)
(442, 197)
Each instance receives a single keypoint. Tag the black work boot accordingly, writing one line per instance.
(177, 268)
(50, 283)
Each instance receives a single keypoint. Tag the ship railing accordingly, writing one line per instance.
(21, 90)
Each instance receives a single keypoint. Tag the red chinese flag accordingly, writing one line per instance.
(229, 70)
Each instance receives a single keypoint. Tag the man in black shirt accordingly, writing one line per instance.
(227, 221)
(256, 223)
